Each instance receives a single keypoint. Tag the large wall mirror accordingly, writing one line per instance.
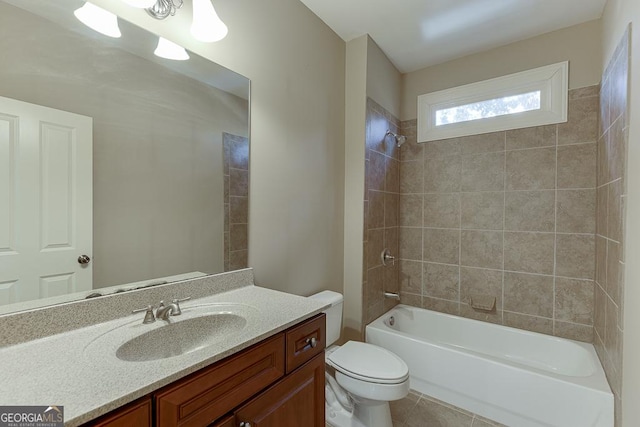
(118, 169)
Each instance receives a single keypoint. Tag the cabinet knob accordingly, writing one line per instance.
(245, 424)
(312, 342)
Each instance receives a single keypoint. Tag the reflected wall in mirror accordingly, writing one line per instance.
(138, 162)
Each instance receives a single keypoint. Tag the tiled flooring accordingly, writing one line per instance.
(418, 410)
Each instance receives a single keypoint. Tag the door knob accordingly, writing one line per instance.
(84, 259)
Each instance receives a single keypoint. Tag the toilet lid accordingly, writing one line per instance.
(369, 363)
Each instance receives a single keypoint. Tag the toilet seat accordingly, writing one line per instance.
(370, 363)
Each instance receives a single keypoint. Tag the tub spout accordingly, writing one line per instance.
(392, 295)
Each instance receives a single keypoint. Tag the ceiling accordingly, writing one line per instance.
(419, 33)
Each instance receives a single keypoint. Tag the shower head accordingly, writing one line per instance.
(399, 139)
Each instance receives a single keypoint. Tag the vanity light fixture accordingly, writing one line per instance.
(169, 50)
(207, 25)
(98, 19)
(140, 4)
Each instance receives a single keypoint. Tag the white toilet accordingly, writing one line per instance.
(367, 377)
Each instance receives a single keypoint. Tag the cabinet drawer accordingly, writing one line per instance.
(211, 393)
(135, 414)
(305, 341)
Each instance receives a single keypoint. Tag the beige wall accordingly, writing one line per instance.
(617, 15)
(384, 81)
(356, 95)
(579, 44)
(297, 67)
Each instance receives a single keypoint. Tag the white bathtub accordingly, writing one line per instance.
(515, 377)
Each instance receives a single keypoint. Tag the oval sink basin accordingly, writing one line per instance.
(180, 337)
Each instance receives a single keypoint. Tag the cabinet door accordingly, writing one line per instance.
(295, 401)
(135, 414)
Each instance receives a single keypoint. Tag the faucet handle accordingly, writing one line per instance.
(148, 316)
(177, 302)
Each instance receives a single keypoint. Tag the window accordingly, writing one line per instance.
(530, 98)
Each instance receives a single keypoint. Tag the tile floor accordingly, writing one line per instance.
(418, 410)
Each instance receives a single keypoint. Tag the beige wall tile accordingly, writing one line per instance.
(602, 167)
(470, 313)
(614, 215)
(584, 92)
(602, 208)
(533, 137)
(238, 260)
(411, 178)
(619, 83)
(616, 150)
(531, 169)
(599, 310)
(605, 96)
(576, 166)
(411, 277)
(477, 281)
(239, 210)
(573, 331)
(374, 287)
(483, 172)
(391, 209)
(483, 143)
(442, 174)
(530, 210)
(239, 182)
(601, 261)
(411, 299)
(411, 150)
(574, 256)
(410, 243)
(443, 147)
(612, 286)
(481, 249)
(441, 281)
(238, 237)
(529, 323)
(411, 210)
(576, 211)
(391, 273)
(528, 294)
(375, 245)
(611, 335)
(376, 171)
(442, 210)
(574, 300)
(582, 124)
(441, 245)
(440, 305)
(376, 209)
(529, 252)
(392, 176)
(482, 211)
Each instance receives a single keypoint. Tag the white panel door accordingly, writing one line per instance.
(45, 201)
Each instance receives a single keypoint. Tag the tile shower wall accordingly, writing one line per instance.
(610, 230)
(236, 201)
(505, 215)
(382, 185)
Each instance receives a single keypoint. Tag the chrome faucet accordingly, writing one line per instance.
(164, 311)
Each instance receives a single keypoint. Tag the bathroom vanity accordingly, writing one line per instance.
(279, 381)
(237, 355)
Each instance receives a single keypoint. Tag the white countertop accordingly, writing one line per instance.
(68, 369)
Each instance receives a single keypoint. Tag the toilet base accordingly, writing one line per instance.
(366, 414)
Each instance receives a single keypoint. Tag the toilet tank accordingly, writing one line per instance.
(334, 313)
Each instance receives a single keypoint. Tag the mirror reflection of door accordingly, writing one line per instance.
(45, 202)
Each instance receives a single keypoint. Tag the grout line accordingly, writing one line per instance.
(555, 240)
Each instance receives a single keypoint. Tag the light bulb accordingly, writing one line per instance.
(169, 50)
(142, 4)
(207, 26)
(98, 19)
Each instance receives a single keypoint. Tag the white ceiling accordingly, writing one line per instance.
(418, 33)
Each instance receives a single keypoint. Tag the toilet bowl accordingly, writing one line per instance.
(361, 378)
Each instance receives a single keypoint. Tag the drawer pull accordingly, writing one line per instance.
(313, 342)
(245, 424)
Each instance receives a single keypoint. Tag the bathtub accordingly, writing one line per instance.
(515, 377)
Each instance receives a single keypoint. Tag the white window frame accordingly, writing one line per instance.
(552, 81)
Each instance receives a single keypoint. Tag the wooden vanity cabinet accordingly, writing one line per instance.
(277, 382)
